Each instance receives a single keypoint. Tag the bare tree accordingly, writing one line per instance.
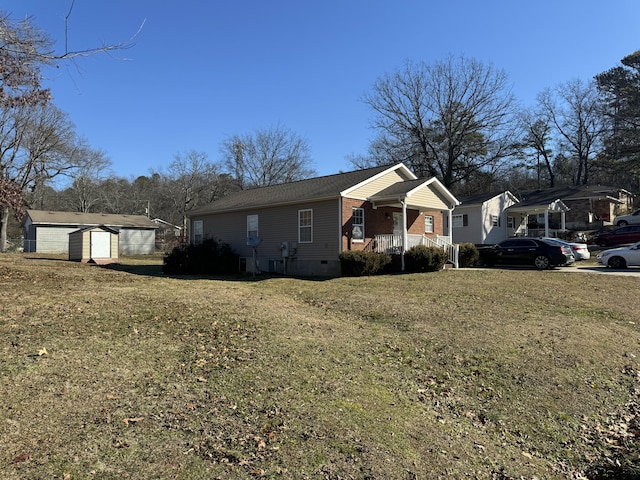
(536, 142)
(576, 113)
(267, 157)
(448, 120)
(92, 166)
(30, 140)
(191, 180)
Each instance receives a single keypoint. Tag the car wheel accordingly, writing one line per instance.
(542, 262)
(623, 223)
(603, 243)
(617, 262)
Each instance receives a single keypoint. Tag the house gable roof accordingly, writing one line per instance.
(379, 184)
(301, 191)
(78, 219)
(481, 198)
(579, 192)
(413, 188)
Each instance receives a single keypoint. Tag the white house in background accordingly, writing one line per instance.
(483, 219)
(48, 232)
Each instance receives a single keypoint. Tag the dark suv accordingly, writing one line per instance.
(628, 234)
(527, 251)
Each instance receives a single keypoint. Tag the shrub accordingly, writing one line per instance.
(358, 263)
(424, 259)
(468, 255)
(208, 257)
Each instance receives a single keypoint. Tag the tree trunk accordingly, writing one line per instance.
(4, 220)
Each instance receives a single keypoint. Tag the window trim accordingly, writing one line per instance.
(250, 219)
(463, 216)
(432, 224)
(301, 227)
(354, 224)
(198, 225)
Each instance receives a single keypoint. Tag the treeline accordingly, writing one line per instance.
(455, 119)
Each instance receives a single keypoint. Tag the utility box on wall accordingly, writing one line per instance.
(94, 244)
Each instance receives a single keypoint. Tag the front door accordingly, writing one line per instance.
(100, 245)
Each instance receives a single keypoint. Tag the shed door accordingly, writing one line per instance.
(100, 245)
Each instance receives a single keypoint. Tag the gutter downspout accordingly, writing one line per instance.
(340, 225)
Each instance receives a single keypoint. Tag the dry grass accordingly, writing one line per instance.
(121, 372)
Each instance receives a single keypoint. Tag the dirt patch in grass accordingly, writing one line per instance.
(122, 372)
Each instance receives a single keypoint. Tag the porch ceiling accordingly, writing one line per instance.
(397, 203)
(555, 206)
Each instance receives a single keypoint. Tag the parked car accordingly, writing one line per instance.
(628, 234)
(580, 250)
(527, 251)
(631, 219)
(621, 257)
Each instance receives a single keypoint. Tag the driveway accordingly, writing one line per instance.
(577, 268)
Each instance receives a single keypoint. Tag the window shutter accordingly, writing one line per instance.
(465, 220)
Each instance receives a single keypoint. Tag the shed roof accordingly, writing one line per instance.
(94, 227)
(44, 217)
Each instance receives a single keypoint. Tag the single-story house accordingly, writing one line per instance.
(588, 206)
(300, 228)
(48, 232)
(483, 219)
(94, 244)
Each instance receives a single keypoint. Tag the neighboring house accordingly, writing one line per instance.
(167, 235)
(483, 219)
(300, 228)
(587, 206)
(48, 232)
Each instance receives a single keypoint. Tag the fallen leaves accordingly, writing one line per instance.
(132, 420)
(23, 457)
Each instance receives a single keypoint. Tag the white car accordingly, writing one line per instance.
(631, 219)
(580, 250)
(621, 257)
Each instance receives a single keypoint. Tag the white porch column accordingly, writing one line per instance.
(546, 222)
(563, 220)
(405, 237)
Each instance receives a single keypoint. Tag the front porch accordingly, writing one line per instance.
(394, 245)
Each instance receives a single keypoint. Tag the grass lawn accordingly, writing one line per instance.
(123, 373)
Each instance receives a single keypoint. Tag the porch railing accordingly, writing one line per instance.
(393, 244)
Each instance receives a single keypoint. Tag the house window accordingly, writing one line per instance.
(197, 232)
(252, 228)
(458, 221)
(511, 222)
(428, 223)
(357, 221)
(305, 226)
(495, 220)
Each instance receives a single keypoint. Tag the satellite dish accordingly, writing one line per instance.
(254, 241)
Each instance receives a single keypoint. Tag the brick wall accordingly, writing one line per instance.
(379, 221)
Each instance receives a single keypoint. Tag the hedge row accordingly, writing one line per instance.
(208, 257)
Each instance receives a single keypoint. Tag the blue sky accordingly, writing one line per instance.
(201, 71)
